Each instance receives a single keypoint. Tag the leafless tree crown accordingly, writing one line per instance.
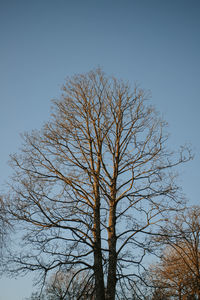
(92, 182)
(178, 272)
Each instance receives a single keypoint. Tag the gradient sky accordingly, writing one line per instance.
(153, 42)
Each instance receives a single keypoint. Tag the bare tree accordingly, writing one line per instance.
(89, 186)
(179, 268)
(81, 288)
(57, 288)
(171, 276)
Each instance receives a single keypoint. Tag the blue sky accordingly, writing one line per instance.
(155, 43)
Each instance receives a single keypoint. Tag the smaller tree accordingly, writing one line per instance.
(172, 274)
(63, 286)
(178, 271)
(66, 286)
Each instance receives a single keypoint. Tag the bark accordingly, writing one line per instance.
(112, 239)
(179, 294)
(112, 280)
(98, 267)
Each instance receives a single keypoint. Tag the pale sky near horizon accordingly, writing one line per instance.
(153, 42)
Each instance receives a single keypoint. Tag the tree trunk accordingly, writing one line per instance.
(180, 293)
(98, 267)
(98, 273)
(111, 283)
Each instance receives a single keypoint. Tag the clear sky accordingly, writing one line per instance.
(153, 42)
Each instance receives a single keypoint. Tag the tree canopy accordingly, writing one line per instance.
(91, 184)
